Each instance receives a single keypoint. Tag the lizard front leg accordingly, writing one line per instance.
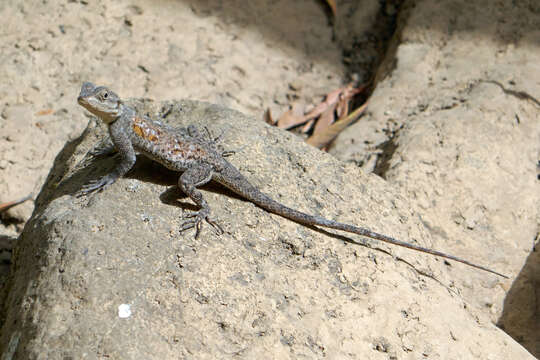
(104, 148)
(189, 181)
(127, 155)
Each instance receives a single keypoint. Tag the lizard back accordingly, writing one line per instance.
(174, 150)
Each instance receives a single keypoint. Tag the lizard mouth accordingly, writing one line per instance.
(81, 100)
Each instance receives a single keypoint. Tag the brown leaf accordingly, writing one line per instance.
(44, 112)
(267, 117)
(342, 108)
(330, 99)
(292, 117)
(348, 93)
(325, 137)
(325, 120)
(307, 126)
(340, 96)
(333, 6)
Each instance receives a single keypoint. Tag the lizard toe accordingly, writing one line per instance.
(215, 225)
(95, 185)
(186, 225)
(196, 220)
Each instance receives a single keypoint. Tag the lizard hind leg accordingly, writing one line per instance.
(188, 183)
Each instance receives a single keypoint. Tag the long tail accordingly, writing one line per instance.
(234, 180)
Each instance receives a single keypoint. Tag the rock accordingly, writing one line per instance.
(455, 100)
(109, 276)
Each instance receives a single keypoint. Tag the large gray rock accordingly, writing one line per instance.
(454, 126)
(267, 288)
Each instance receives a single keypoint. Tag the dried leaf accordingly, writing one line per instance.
(333, 6)
(324, 138)
(342, 108)
(267, 117)
(335, 101)
(292, 117)
(338, 100)
(307, 126)
(44, 112)
(330, 99)
(326, 119)
(348, 93)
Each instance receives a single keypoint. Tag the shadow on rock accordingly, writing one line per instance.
(521, 315)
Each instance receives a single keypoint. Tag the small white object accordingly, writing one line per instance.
(124, 311)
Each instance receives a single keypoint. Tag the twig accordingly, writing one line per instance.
(8, 205)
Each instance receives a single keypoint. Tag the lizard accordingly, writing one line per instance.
(199, 159)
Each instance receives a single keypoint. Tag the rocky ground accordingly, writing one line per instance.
(449, 152)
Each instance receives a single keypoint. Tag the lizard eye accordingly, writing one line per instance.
(105, 95)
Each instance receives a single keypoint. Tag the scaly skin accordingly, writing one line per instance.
(200, 160)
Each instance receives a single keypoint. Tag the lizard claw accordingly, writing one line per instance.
(196, 221)
(95, 185)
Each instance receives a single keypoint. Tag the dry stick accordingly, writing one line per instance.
(8, 205)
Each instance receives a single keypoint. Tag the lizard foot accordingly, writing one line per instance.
(196, 221)
(95, 185)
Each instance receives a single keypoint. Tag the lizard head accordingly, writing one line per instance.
(100, 101)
